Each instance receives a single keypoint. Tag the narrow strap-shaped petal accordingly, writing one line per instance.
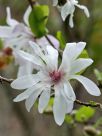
(80, 64)
(59, 106)
(69, 92)
(31, 99)
(52, 58)
(70, 105)
(10, 21)
(25, 70)
(71, 22)
(28, 57)
(89, 85)
(66, 10)
(24, 82)
(26, 15)
(24, 95)
(73, 50)
(84, 8)
(37, 50)
(43, 100)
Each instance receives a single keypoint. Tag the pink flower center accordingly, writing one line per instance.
(55, 76)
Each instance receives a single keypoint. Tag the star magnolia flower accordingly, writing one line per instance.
(50, 75)
(69, 9)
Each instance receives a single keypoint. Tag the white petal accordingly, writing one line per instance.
(55, 2)
(84, 8)
(69, 92)
(31, 99)
(25, 81)
(43, 100)
(24, 95)
(65, 65)
(66, 10)
(80, 64)
(71, 23)
(89, 85)
(25, 70)
(5, 32)
(70, 105)
(59, 107)
(52, 58)
(10, 21)
(26, 15)
(37, 50)
(28, 57)
(73, 50)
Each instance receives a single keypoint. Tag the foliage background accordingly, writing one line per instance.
(14, 119)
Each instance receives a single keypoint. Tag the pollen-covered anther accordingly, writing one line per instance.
(55, 76)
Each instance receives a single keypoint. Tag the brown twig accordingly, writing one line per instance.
(32, 3)
(2, 79)
(59, 50)
(93, 104)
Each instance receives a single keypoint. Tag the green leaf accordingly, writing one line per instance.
(38, 20)
(69, 119)
(61, 39)
(84, 54)
(84, 114)
(98, 75)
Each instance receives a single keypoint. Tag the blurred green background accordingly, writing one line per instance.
(14, 119)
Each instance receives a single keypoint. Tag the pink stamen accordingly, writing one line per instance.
(55, 76)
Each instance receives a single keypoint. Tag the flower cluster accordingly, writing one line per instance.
(40, 72)
(16, 35)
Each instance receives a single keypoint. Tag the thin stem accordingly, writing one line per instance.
(88, 104)
(32, 3)
(48, 39)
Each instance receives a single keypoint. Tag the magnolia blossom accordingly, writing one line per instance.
(52, 77)
(69, 8)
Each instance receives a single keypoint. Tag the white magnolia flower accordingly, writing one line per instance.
(69, 8)
(50, 75)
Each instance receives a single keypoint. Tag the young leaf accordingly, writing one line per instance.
(38, 20)
(61, 39)
(69, 119)
(84, 54)
(84, 114)
(98, 75)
